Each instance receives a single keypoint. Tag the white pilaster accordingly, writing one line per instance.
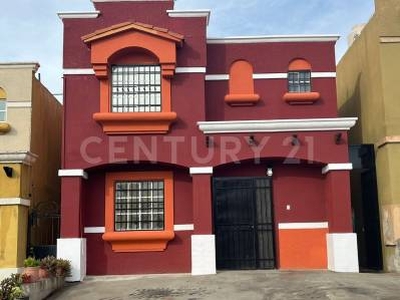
(203, 254)
(342, 252)
(73, 249)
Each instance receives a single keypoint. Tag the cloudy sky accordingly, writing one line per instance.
(30, 30)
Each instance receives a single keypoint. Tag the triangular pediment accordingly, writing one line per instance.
(157, 32)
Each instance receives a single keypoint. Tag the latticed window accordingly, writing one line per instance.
(299, 81)
(136, 88)
(139, 205)
(3, 110)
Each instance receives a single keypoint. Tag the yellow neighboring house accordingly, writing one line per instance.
(30, 145)
(369, 87)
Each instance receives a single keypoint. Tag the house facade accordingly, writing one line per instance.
(30, 151)
(185, 153)
(367, 88)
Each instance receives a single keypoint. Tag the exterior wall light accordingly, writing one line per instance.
(270, 172)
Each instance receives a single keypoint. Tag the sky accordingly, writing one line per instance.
(30, 30)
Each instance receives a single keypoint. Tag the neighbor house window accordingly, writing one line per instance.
(136, 88)
(3, 110)
(139, 205)
(299, 81)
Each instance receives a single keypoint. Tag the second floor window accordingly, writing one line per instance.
(299, 81)
(136, 88)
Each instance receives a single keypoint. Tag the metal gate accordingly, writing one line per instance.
(243, 223)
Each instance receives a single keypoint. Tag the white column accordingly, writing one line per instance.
(203, 254)
(342, 252)
(73, 249)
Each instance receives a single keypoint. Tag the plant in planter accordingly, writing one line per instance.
(63, 267)
(48, 267)
(32, 268)
(11, 288)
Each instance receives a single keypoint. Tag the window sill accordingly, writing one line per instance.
(301, 98)
(135, 123)
(242, 99)
(138, 241)
(4, 128)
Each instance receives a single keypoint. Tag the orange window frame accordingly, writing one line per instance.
(145, 240)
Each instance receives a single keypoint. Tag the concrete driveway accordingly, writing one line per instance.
(247, 285)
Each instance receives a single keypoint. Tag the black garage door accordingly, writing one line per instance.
(243, 223)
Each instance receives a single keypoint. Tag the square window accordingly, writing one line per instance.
(299, 81)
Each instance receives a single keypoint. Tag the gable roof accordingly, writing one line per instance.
(126, 26)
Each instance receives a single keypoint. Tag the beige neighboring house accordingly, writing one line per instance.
(30, 143)
(368, 86)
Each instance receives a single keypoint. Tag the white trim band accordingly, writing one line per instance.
(78, 14)
(72, 173)
(26, 158)
(183, 227)
(179, 70)
(15, 201)
(283, 125)
(19, 104)
(94, 229)
(337, 167)
(274, 39)
(218, 77)
(196, 13)
(200, 170)
(305, 225)
(83, 71)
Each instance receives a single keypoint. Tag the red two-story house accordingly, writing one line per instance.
(184, 153)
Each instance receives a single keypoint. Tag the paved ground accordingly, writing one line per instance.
(249, 285)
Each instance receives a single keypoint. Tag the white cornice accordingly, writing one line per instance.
(273, 39)
(200, 170)
(24, 157)
(72, 173)
(15, 201)
(20, 65)
(19, 104)
(337, 167)
(196, 13)
(78, 14)
(283, 125)
(389, 39)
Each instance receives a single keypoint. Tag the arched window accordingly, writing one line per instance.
(3, 105)
(299, 76)
(241, 85)
(299, 83)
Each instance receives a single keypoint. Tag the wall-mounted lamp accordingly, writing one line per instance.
(209, 141)
(270, 172)
(8, 171)
(295, 140)
(338, 138)
(251, 140)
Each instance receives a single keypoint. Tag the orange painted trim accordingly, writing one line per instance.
(4, 128)
(303, 248)
(301, 98)
(135, 123)
(242, 99)
(146, 28)
(299, 64)
(139, 241)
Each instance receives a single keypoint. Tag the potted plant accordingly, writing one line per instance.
(48, 266)
(31, 265)
(11, 288)
(63, 267)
